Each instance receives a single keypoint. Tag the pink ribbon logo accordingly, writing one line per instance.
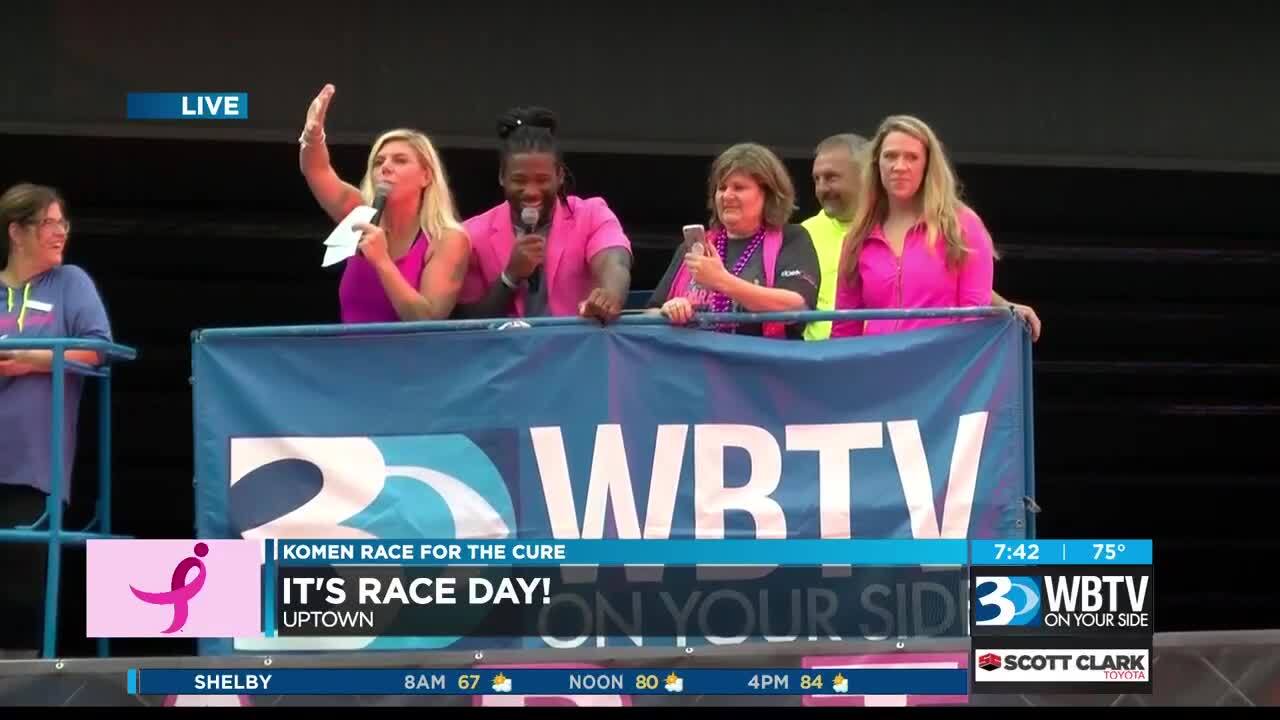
(180, 593)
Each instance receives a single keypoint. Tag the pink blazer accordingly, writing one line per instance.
(920, 280)
(574, 239)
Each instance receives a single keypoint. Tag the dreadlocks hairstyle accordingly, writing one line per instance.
(532, 130)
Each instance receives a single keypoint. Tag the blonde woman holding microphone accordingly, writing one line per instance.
(411, 265)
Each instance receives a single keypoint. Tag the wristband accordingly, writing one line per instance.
(506, 280)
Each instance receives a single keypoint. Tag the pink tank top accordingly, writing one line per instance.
(360, 294)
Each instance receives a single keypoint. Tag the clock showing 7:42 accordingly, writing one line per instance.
(1023, 551)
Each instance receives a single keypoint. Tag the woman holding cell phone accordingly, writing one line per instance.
(751, 259)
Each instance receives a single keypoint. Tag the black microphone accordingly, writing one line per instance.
(529, 216)
(379, 202)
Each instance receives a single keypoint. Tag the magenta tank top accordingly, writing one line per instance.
(360, 293)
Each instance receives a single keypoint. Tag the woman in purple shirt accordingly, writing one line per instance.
(40, 297)
(411, 267)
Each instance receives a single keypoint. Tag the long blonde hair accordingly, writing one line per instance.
(942, 203)
(436, 211)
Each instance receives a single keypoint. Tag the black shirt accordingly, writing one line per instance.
(796, 269)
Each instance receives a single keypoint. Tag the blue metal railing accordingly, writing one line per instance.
(633, 317)
(53, 535)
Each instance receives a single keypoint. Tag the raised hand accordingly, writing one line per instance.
(313, 130)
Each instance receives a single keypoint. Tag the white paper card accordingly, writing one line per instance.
(341, 243)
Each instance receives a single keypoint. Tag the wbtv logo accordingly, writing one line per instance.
(1079, 599)
(1004, 600)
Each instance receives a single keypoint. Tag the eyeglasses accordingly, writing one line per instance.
(52, 222)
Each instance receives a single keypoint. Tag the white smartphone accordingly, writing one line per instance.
(695, 238)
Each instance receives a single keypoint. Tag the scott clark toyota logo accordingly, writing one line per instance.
(1004, 600)
(1055, 665)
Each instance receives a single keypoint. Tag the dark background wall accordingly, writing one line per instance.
(1124, 157)
(1120, 84)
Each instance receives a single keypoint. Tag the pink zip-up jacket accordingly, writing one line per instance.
(919, 279)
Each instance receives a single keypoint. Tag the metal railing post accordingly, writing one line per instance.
(53, 569)
(103, 514)
(56, 536)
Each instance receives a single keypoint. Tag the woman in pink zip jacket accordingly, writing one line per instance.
(913, 243)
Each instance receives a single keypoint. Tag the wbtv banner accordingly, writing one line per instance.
(629, 431)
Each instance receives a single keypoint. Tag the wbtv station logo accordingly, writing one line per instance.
(1062, 600)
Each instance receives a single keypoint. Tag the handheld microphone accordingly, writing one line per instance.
(529, 216)
(379, 202)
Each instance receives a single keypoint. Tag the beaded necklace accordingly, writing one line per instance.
(720, 303)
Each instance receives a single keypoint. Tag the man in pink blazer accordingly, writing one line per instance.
(543, 251)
